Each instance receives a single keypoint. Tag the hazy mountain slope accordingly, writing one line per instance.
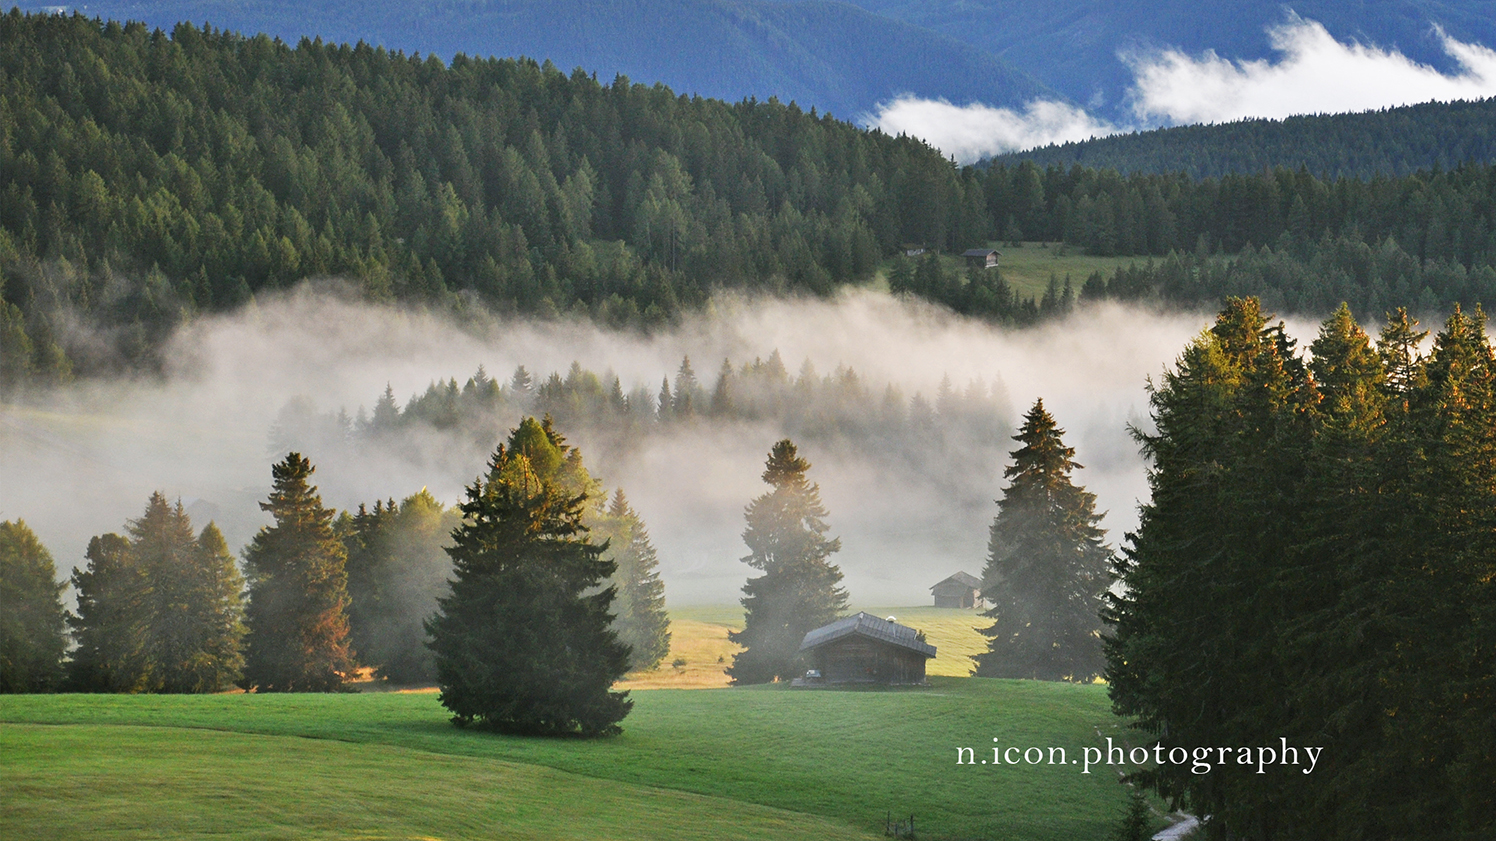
(1072, 45)
(1396, 141)
(830, 55)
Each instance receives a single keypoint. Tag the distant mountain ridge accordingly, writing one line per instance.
(1392, 142)
(829, 55)
(1072, 45)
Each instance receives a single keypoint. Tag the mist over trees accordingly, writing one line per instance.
(397, 569)
(523, 643)
(298, 591)
(639, 609)
(798, 591)
(32, 626)
(1046, 567)
(1316, 565)
(159, 610)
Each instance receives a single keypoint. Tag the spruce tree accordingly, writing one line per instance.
(397, 569)
(110, 621)
(1046, 565)
(159, 609)
(32, 639)
(641, 621)
(523, 643)
(192, 631)
(298, 596)
(798, 591)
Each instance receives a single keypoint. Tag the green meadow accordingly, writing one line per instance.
(1027, 267)
(762, 762)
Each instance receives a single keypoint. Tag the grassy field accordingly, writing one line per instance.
(763, 762)
(1027, 268)
(698, 641)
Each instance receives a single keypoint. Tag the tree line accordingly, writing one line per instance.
(1390, 142)
(150, 177)
(163, 609)
(1316, 564)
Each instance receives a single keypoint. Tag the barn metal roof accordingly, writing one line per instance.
(963, 578)
(872, 627)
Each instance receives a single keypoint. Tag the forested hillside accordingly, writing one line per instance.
(1391, 142)
(146, 178)
(819, 53)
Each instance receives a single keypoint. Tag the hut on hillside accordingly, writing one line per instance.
(960, 590)
(866, 649)
(981, 258)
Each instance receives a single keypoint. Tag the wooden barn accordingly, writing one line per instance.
(960, 590)
(981, 258)
(866, 649)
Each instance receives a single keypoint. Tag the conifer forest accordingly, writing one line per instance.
(332, 368)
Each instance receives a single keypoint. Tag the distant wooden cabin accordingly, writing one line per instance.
(913, 249)
(960, 590)
(866, 649)
(981, 258)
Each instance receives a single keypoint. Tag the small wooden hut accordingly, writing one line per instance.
(866, 649)
(960, 590)
(981, 258)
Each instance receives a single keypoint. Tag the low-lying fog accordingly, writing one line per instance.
(83, 460)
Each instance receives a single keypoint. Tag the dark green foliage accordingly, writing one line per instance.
(158, 610)
(32, 637)
(1389, 142)
(531, 189)
(641, 621)
(1315, 565)
(1137, 824)
(523, 643)
(1046, 566)
(397, 569)
(798, 591)
(298, 591)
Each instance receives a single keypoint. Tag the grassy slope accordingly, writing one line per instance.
(118, 782)
(1027, 268)
(847, 757)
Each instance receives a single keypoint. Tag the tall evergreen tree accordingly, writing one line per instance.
(32, 639)
(1046, 565)
(397, 569)
(641, 621)
(1315, 565)
(298, 591)
(523, 642)
(798, 591)
(159, 610)
(109, 624)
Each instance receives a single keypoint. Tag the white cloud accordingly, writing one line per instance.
(1315, 74)
(972, 132)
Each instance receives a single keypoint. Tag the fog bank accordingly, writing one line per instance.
(83, 460)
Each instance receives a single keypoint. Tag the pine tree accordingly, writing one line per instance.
(159, 609)
(798, 591)
(1046, 565)
(110, 621)
(192, 626)
(523, 643)
(298, 596)
(32, 639)
(397, 569)
(641, 621)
